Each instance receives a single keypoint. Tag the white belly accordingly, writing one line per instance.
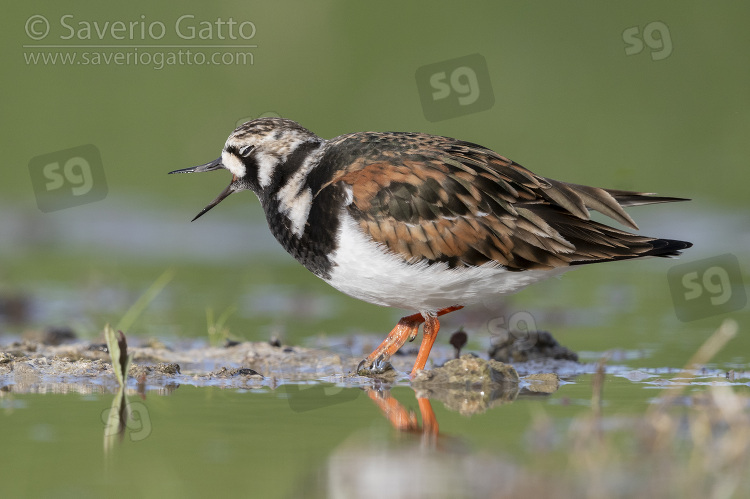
(368, 272)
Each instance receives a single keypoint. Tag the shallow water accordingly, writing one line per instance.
(303, 440)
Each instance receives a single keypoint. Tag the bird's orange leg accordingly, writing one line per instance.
(406, 329)
(429, 334)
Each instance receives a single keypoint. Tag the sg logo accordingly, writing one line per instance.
(715, 282)
(68, 178)
(137, 421)
(463, 81)
(521, 326)
(455, 87)
(707, 287)
(76, 171)
(661, 45)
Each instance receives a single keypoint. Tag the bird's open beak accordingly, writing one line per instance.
(208, 167)
(211, 166)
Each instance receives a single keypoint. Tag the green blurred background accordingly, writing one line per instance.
(569, 103)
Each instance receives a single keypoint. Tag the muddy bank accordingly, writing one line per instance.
(85, 367)
(35, 367)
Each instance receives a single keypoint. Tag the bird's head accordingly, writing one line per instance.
(253, 153)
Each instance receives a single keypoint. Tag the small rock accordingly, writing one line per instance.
(543, 382)
(469, 370)
(53, 336)
(137, 371)
(469, 385)
(165, 368)
(243, 371)
(24, 368)
(537, 345)
(155, 344)
(15, 308)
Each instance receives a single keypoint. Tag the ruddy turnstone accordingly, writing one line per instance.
(422, 222)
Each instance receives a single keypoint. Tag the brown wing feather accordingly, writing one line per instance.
(441, 200)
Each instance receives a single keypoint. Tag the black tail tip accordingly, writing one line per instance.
(668, 247)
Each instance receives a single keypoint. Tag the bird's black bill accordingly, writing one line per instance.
(211, 166)
(226, 192)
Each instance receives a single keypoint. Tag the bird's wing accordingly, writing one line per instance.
(436, 199)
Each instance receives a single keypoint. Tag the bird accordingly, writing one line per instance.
(422, 222)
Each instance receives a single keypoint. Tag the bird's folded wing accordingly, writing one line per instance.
(437, 199)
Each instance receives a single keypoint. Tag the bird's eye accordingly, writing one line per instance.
(246, 150)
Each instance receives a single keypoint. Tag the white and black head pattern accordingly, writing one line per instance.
(276, 159)
(258, 150)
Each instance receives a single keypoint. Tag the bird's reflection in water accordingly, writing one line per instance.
(421, 461)
(405, 420)
(468, 385)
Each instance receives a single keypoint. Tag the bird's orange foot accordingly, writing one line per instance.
(406, 330)
(377, 361)
(378, 366)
